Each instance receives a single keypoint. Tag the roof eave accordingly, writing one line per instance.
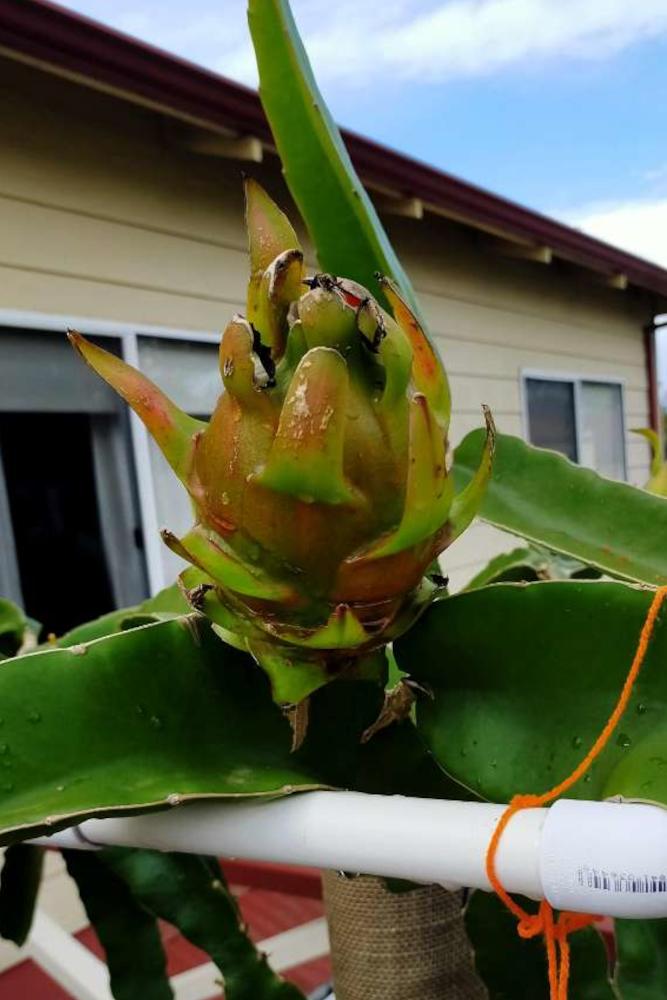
(61, 41)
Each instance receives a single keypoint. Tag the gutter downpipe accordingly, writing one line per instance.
(650, 357)
(600, 857)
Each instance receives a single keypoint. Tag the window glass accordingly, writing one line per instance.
(188, 372)
(42, 374)
(551, 415)
(601, 431)
(581, 419)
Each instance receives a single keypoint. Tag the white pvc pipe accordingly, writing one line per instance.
(601, 857)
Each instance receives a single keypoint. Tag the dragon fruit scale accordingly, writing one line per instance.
(320, 485)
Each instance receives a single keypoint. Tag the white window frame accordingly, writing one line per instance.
(576, 378)
(128, 334)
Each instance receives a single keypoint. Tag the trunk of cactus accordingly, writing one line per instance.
(398, 946)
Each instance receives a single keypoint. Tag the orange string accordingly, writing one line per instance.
(555, 932)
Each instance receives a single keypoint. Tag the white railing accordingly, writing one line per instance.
(600, 857)
(85, 977)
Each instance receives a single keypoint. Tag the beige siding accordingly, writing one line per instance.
(105, 215)
(494, 318)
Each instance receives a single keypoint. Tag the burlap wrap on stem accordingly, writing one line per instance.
(398, 946)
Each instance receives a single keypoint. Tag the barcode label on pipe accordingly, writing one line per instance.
(593, 878)
(605, 857)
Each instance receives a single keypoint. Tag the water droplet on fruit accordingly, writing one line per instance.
(60, 788)
(587, 778)
(623, 740)
(156, 722)
(34, 717)
(174, 799)
(576, 742)
(641, 708)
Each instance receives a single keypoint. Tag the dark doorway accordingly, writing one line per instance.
(51, 490)
(70, 539)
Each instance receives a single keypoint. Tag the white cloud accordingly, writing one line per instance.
(641, 228)
(637, 226)
(475, 37)
(355, 41)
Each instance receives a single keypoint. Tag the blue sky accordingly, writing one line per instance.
(558, 104)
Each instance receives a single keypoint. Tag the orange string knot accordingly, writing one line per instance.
(530, 925)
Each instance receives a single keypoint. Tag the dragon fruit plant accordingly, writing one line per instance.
(320, 487)
(323, 492)
(657, 482)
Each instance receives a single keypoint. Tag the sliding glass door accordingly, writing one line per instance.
(70, 538)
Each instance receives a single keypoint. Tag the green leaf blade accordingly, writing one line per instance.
(515, 565)
(524, 678)
(528, 564)
(169, 602)
(167, 713)
(541, 496)
(16, 630)
(126, 722)
(342, 221)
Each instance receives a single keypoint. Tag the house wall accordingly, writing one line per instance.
(105, 214)
(494, 317)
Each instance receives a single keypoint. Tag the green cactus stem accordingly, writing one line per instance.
(657, 482)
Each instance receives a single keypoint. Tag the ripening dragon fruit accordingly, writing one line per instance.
(320, 485)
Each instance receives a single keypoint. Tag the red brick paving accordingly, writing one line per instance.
(265, 911)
